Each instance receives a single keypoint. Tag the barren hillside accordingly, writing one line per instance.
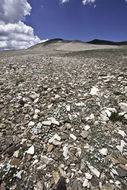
(63, 114)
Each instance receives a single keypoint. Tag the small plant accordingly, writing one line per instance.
(116, 117)
(117, 93)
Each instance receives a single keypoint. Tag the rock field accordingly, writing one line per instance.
(63, 115)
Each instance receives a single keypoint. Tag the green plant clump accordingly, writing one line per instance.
(116, 117)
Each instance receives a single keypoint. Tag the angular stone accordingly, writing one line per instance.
(122, 160)
(104, 151)
(30, 150)
(93, 170)
(50, 148)
(40, 186)
(122, 172)
(108, 187)
(73, 137)
(123, 106)
(56, 176)
(46, 160)
(31, 124)
(84, 134)
(2, 186)
(76, 185)
(15, 162)
(47, 123)
(94, 91)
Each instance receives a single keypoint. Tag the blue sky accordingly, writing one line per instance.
(73, 20)
(24, 23)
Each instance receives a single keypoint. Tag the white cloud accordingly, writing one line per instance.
(88, 1)
(12, 11)
(14, 34)
(17, 36)
(64, 1)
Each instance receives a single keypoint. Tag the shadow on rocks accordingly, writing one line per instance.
(61, 184)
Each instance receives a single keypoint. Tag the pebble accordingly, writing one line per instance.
(30, 150)
(93, 170)
(88, 176)
(123, 106)
(37, 111)
(31, 124)
(122, 133)
(55, 140)
(84, 134)
(65, 152)
(16, 154)
(94, 91)
(120, 147)
(46, 160)
(19, 174)
(86, 127)
(104, 151)
(54, 121)
(47, 123)
(50, 148)
(76, 185)
(73, 137)
(86, 183)
(68, 108)
(56, 176)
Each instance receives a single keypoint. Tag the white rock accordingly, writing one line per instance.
(108, 113)
(123, 106)
(91, 117)
(39, 125)
(35, 162)
(55, 137)
(16, 154)
(55, 142)
(36, 100)
(34, 95)
(35, 116)
(125, 116)
(80, 104)
(94, 91)
(120, 147)
(49, 106)
(65, 152)
(23, 140)
(37, 111)
(79, 151)
(86, 127)
(19, 174)
(46, 160)
(93, 170)
(104, 151)
(30, 150)
(112, 109)
(117, 183)
(73, 137)
(114, 171)
(85, 183)
(31, 124)
(88, 176)
(47, 123)
(104, 118)
(122, 133)
(68, 108)
(54, 121)
(57, 96)
(126, 89)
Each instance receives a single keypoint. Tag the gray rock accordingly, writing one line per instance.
(76, 185)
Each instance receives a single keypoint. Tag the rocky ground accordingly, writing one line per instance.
(64, 115)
